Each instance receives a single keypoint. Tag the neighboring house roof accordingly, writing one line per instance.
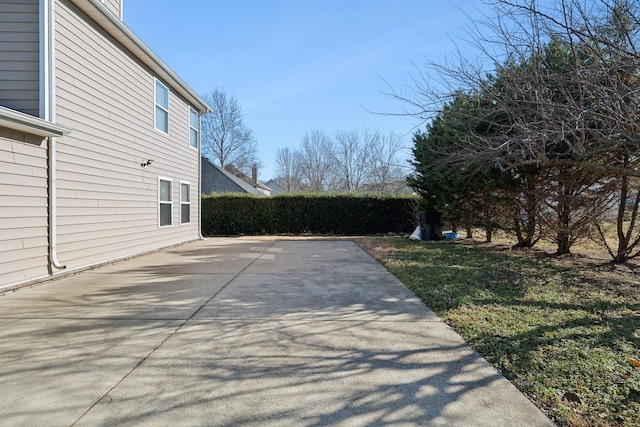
(27, 123)
(119, 31)
(215, 179)
(253, 181)
(275, 187)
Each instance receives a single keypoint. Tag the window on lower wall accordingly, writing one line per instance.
(185, 203)
(165, 205)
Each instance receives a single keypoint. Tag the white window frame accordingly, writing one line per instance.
(165, 202)
(157, 82)
(187, 203)
(196, 129)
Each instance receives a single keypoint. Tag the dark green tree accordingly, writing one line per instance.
(466, 193)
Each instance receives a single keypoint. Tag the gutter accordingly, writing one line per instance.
(27, 123)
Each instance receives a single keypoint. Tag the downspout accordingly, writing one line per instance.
(47, 89)
(53, 255)
(200, 236)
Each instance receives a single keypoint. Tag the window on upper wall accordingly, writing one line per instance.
(165, 205)
(193, 128)
(162, 107)
(185, 203)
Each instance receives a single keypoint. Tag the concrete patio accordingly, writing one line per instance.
(230, 332)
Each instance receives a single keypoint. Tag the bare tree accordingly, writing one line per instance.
(625, 204)
(225, 138)
(574, 203)
(563, 95)
(288, 169)
(577, 108)
(317, 159)
(353, 152)
(385, 166)
(563, 88)
(355, 158)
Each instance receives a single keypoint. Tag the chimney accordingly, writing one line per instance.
(254, 175)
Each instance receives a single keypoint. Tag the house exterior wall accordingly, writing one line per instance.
(115, 6)
(101, 128)
(23, 204)
(107, 203)
(20, 50)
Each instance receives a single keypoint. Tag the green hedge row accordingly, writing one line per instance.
(341, 214)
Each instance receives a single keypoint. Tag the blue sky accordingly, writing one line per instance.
(298, 65)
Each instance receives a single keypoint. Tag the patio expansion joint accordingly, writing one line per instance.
(167, 338)
(89, 318)
(309, 320)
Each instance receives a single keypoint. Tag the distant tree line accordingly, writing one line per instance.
(548, 144)
(349, 161)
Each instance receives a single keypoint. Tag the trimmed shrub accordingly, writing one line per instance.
(308, 213)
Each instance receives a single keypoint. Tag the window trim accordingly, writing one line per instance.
(165, 202)
(156, 106)
(197, 129)
(185, 203)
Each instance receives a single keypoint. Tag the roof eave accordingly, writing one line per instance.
(97, 11)
(27, 123)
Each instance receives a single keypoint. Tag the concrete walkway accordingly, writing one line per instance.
(229, 332)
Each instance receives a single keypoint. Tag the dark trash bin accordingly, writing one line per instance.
(430, 225)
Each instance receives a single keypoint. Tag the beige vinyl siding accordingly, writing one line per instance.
(20, 53)
(108, 203)
(114, 6)
(23, 204)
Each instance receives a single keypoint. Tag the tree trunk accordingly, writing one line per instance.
(563, 237)
(623, 241)
(517, 229)
(532, 218)
(525, 228)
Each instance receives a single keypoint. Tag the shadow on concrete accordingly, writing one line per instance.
(146, 342)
